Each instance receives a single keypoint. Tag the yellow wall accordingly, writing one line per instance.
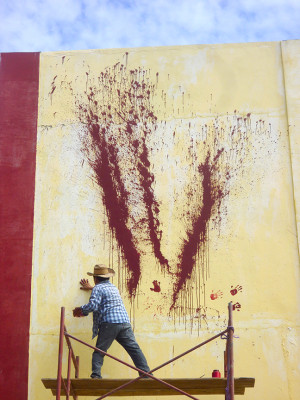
(242, 99)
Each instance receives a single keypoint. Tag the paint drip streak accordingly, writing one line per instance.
(152, 207)
(108, 177)
(197, 236)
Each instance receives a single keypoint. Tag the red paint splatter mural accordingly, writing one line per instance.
(121, 113)
(119, 118)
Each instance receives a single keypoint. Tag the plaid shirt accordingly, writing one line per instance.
(106, 305)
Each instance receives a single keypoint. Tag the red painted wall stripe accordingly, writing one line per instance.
(19, 79)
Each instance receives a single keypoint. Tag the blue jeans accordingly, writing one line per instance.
(124, 335)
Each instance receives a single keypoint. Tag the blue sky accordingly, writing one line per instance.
(52, 25)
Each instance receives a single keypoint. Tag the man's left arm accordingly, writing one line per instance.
(77, 312)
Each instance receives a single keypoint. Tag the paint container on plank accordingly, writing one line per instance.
(216, 373)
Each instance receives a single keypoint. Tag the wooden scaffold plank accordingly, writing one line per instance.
(149, 387)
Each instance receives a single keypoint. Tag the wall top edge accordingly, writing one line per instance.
(151, 48)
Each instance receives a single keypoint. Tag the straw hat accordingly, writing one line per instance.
(102, 271)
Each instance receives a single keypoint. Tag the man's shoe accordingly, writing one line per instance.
(146, 376)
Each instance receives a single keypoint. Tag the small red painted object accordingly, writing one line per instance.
(156, 286)
(216, 373)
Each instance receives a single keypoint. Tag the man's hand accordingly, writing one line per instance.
(85, 284)
(77, 312)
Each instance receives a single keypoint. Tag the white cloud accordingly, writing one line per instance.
(49, 25)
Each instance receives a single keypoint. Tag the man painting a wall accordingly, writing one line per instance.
(110, 320)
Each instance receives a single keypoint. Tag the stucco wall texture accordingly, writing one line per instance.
(178, 167)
